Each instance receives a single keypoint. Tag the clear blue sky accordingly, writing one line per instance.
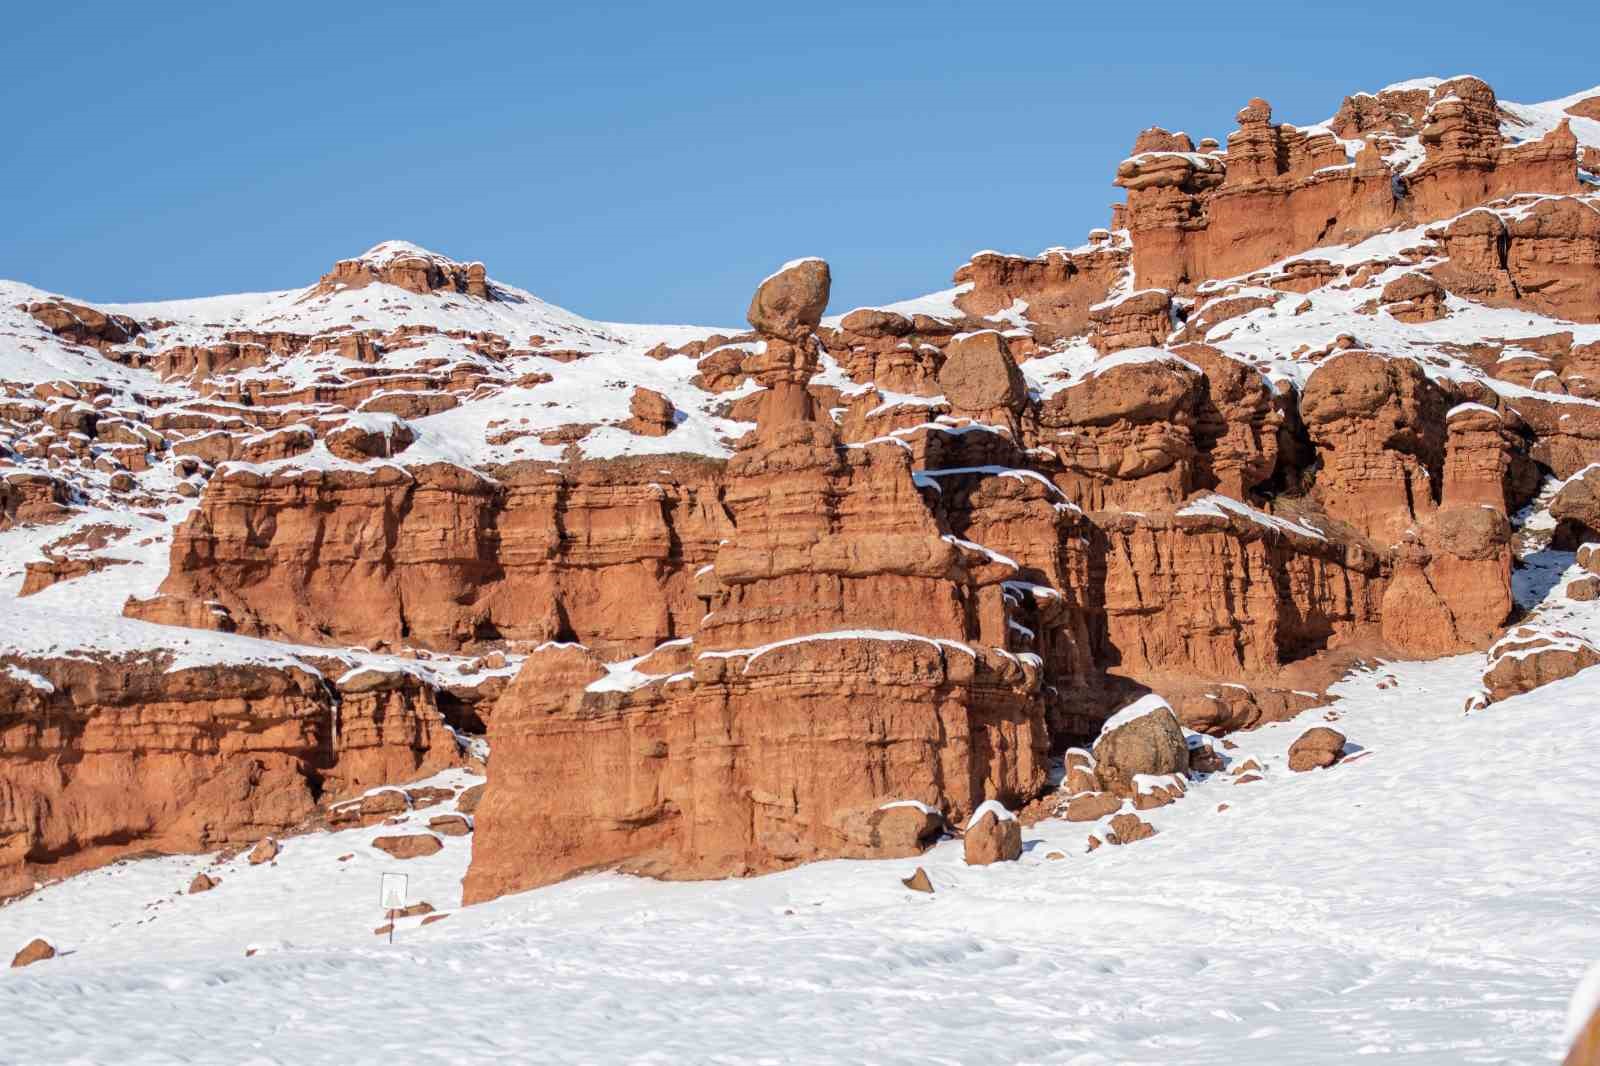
(651, 162)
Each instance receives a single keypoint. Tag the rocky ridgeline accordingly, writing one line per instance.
(825, 587)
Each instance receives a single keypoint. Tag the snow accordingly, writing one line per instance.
(916, 804)
(790, 265)
(1222, 506)
(752, 654)
(1144, 705)
(1585, 1002)
(994, 807)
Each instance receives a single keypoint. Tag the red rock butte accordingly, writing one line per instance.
(721, 602)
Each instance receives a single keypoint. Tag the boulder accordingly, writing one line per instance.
(450, 825)
(37, 950)
(1091, 806)
(428, 796)
(374, 436)
(1142, 738)
(789, 304)
(918, 882)
(979, 374)
(1316, 749)
(1584, 589)
(1527, 658)
(1153, 792)
(1127, 828)
(264, 851)
(1080, 777)
(993, 835)
(651, 414)
(409, 846)
(902, 829)
(469, 800)
(384, 803)
(203, 883)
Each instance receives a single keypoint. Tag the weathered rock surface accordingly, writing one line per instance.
(36, 950)
(1144, 738)
(409, 846)
(1316, 749)
(993, 835)
(1527, 658)
(815, 589)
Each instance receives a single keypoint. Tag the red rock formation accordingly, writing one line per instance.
(1528, 657)
(845, 663)
(1058, 287)
(108, 758)
(1281, 190)
(1316, 749)
(438, 556)
(406, 267)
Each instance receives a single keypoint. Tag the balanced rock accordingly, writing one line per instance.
(37, 950)
(1142, 738)
(789, 304)
(1316, 749)
(993, 835)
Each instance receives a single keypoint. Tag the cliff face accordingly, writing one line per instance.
(105, 758)
(439, 557)
(817, 587)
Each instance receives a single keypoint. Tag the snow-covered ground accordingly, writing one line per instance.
(1434, 901)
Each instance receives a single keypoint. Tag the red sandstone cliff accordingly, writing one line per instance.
(812, 588)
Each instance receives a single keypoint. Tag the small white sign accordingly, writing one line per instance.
(392, 892)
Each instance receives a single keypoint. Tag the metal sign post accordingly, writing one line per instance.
(392, 897)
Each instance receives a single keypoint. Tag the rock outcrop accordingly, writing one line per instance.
(36, 950)
(1316, 749)
(993, 835)
(723, 602)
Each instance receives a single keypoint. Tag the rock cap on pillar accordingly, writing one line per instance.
(790, 302)
(786, 310)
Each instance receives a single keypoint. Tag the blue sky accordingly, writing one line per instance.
(651, 162)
